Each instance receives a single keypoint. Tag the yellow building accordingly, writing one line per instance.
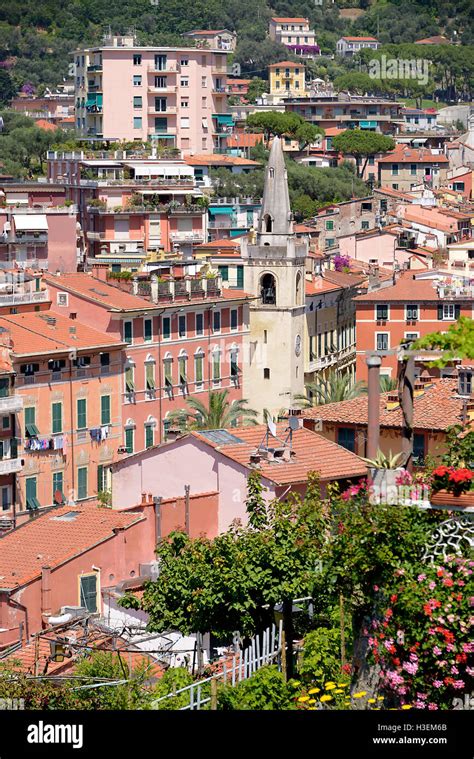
(287, 79)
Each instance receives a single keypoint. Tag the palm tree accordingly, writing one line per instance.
(219, 414)
(336, 388)
(387, 384)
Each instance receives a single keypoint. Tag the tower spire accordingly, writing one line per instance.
(275, 222)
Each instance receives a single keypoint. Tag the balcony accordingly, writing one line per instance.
(187, 236)
(13, 299)
(9, 461)
(452, 293)
(170, 68)
(27, 238)
(168, 88)
(96, 67)
(29, 263)
(10, 404)
(170, 109)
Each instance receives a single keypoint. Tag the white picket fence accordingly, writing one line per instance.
(263, 649)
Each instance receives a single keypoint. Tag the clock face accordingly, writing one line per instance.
(298, 345)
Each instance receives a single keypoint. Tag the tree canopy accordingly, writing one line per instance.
(362, 144)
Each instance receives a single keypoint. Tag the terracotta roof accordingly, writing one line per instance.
(31, 334)
(431, 217)
(404, 154)
(437, 39)
(405, 289)
(284, 19)
(333, 131)
(318, 286)
(219, 160)
(395, 193)
(232, 243)
(360, 39)
(46, 125)
(99, 291)
(437, 409)
(50, 541)
(290, 64)
(301, 229)
(312, 453)
(343, 278)
(243, 140)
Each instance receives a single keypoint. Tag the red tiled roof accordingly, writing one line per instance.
(318, 286)
(303, 228)
(31, 334)
(222, 243)
(395, 193)
(49, 541)
(312, 453)
(218, 160)
(284, 19)
(437, 39)
(333, 131)
(404, 154)
(437, 409)
(405, 289)
(431, 217)
(99, 291)
(360, 39)
(290, 64)
(243, 140)
(343, 278)
(46, 125)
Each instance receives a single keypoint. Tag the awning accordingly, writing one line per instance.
(35, 222)
(98, 162)
(223, 118)
(367, 124)
(160, 170)
(224, 211)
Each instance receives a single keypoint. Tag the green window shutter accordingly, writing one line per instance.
(82, 482)
(147, 330)
(105, 409)
(199, 360)
(234, 318)
(240, 276)
(81, 414)
(168, 374)
(30, 415)
(58, 483)
(127, 332)
(4, 387)
(57, 417)
(216, 366)
(224, 272)
(149, 436)
(182, 371)
(129, 384)
(100, 478)
(129, 439)
(150, 376)
(89, 592)
(32, 502)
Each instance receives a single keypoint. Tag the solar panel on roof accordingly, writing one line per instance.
(221, 437)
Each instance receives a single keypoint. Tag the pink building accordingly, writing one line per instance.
(174, 96)
(390, 247)
(36, 235)
(63, 559)
(184, 337)
(215, 465)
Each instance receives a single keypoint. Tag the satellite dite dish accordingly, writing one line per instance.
(293, 423)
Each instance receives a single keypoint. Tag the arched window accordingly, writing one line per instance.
(149, 377)
(268, 290)
(199, 369)
(268, 223)
(168, 373)
(130, 435)
(298, 289)
(150, 426)
(183, 371)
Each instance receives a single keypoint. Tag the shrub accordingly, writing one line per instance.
(265, 690)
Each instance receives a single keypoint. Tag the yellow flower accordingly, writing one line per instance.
(361, 694)
(312, 701)
(303, 698)
(371, 701)
(406, 706)
(314, 690)
(379, 698)
(338, 690)
(330, 686)
(326, 697)
(343, 685)
(295, 683)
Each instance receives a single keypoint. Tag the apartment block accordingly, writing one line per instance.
(348, 112)
(287, 79)
(172, 96)
(349, 46)
(406, 166)
(295, 34)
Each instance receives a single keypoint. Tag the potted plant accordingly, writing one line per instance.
(452, 486)
(384, 472)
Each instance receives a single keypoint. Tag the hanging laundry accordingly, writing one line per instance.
(95, 434)
(104, 431)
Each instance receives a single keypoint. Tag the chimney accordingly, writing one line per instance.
(374, 277)
(46, 591)
(99, 271)
(154, 288)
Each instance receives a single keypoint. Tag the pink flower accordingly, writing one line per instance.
(432, 706)
(410, 667)
(432, 585)
(454, 670)
(376, 588)
(413, 657)
(437, 683)
(458, 684)
(470, 671)
(437, 651)
(421, 577)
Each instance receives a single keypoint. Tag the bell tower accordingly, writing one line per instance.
(275, 274)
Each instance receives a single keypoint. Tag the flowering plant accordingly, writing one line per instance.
(421, 639)
(454, 480)
(341, 262)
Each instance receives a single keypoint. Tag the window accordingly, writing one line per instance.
(216, 321)
(32, 502)
(184, 122)
(234, 319)
(5, 422)
(330, 242)
(166, 327)
(148, 330)
(419, 449)
(199, 324)
(88, 592)
(199, 370)
(137, 122)
(31, 429)
(137, 80)
(394, 186)
(183, 381)
(204, 81)
(57, 418)
(268, 290)
(149, 436)
(62, 299)
(413, 169)
(81, 482)
(129, 439)
(128, 332)
(184, 61)
(382, 341)
(104, 363)
(411, 336)
(240, 276)
(81, 413)
(381, 312)
(160, 104)
(160, 82)
(4, 387)
(137, 101)
(6, 497)
(105, 409)
(346, 438)
(266, 373)
(448, 311)
(216, 367)
(168, 373)
(395, 169)
(365, 225)
(224, 272)
(184, 81)
(234, 365)
(58, 479)
(102, 478)
(160, 62)
(182, 325)
(137, 60)
(412, 312)
(129, 383)
(150, 379)
(330, 225)
(185, 103)
(465, 384)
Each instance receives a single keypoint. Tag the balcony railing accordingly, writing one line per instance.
(187, 236)
(170, 109)
(10, 404)
(171, 68)
(453, 293)
(12, 299)
(39, 238)
(9, 461)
